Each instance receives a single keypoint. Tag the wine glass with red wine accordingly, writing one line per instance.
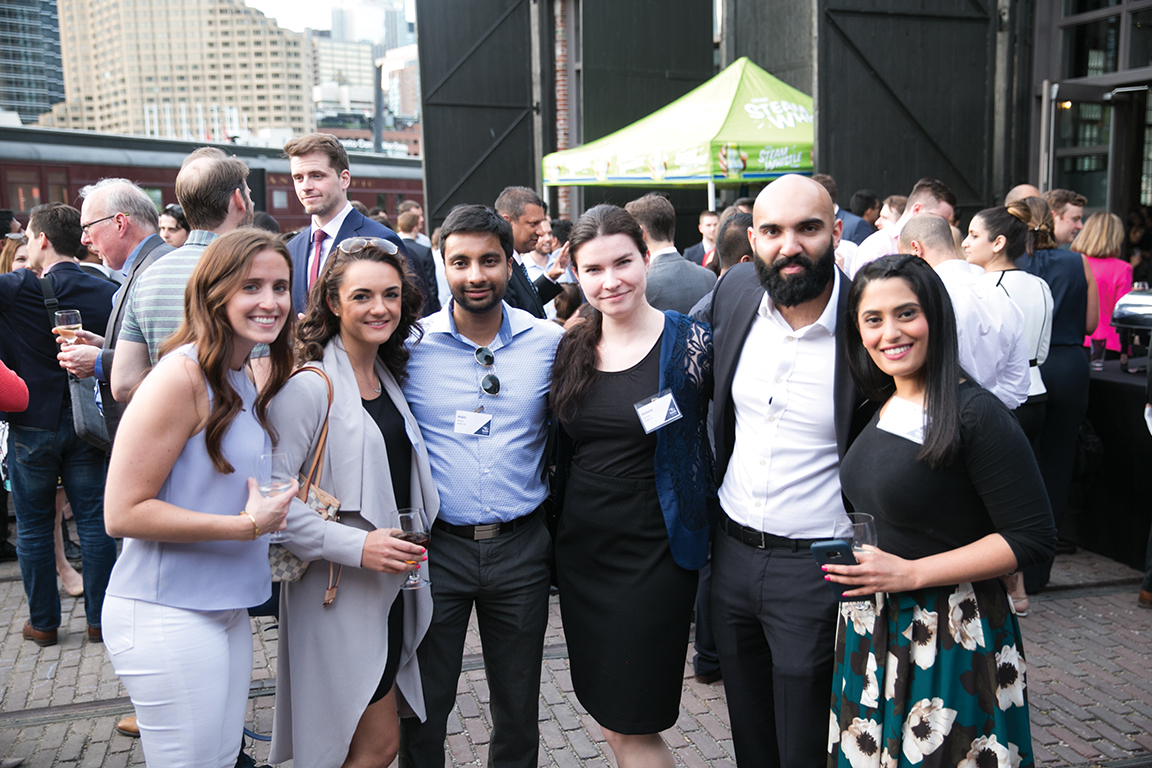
(414, 529)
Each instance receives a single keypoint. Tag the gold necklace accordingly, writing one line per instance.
(374, 389)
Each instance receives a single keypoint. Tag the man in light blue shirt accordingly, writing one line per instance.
(478, 386)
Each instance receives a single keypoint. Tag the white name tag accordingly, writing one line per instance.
(472, 423)
(657, 411)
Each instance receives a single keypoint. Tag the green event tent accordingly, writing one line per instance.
(742, 125)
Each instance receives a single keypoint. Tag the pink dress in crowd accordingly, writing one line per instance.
(1113, 280)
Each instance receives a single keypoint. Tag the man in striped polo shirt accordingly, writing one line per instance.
(213, 191)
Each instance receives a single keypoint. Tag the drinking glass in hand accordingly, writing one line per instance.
(275, 478)
(67, 323)
(414, 529)
(863, 531)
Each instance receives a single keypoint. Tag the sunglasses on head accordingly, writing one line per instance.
(354, 245)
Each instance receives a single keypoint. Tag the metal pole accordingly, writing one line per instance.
(378, 114)
(712, 194)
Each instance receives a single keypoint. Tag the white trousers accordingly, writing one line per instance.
(188, 674)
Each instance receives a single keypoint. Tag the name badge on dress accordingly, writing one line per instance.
(658, 410)
(473, 423)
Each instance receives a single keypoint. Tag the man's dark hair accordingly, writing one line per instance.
(744, 202)
(931, 189)
(205, 189)
(827, 182)
(408, 205)
(732, 242)
(265, 221)
(319, 142)
(655, 214)
(60, 223)
(561, 228)
(863, 200)
(513, 201)
(476, 218)
(1059, 199)
(707, 214)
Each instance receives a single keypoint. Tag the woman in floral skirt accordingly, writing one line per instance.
(930, 665)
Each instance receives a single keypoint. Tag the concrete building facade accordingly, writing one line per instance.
(202, 69)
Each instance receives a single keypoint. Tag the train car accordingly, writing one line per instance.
(39, 165)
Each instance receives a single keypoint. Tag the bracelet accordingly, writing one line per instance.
(255, 527)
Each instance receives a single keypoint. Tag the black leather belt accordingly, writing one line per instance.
(485, 531)
(761, 540)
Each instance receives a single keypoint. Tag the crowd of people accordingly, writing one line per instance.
(663, 438)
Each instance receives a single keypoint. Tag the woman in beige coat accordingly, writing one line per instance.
(336, 704)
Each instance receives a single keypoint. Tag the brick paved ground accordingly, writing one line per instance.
(1088, 650)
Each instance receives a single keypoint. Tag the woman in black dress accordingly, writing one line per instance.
(637, 489)
(929, 661)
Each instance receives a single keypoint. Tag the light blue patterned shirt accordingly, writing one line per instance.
(494, 478)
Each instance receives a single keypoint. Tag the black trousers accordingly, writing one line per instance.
(1066, 378)
(775, 625)
(506, 579)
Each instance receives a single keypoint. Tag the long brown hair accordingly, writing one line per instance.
(574, 368)
(320, 323)
(8, 254)
(219, 275)
(1036, 214)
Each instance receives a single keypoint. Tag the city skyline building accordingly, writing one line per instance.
(31, 75)
(206, 69)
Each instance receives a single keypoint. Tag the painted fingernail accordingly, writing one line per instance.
(824, 568)
(827, 578)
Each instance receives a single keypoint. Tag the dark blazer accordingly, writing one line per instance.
(152, 248)
(734, 306)
(424, 269)
(521, 295)
(696, 254)
(27, 344)
(855, 228)
(355, 224)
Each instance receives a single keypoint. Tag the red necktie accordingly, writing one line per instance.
(318, 238)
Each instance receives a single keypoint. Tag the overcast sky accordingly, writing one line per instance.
(296, 14)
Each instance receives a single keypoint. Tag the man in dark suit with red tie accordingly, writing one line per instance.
(319, 167)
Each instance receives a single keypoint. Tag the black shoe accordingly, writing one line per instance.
(71, 551)
(709, 678)
(7, 552)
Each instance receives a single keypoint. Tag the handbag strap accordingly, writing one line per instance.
(316, 470)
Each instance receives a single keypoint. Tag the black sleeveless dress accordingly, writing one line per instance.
(625, 603)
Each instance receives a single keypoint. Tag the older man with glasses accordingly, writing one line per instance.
(478, 386)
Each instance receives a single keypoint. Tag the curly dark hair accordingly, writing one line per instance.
(320, 323)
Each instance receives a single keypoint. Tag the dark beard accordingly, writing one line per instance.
(795, 290)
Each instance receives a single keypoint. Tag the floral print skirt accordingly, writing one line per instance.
(930, 678)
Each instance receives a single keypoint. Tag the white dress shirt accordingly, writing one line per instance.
(784, 474)
(880, 243)
(332, 229)
(661, 252)
(990, 329)
(1033, 296)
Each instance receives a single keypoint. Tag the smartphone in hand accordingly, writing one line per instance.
(835, 552)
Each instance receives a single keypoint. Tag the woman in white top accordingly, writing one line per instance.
(997, 237)
(181, 492)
